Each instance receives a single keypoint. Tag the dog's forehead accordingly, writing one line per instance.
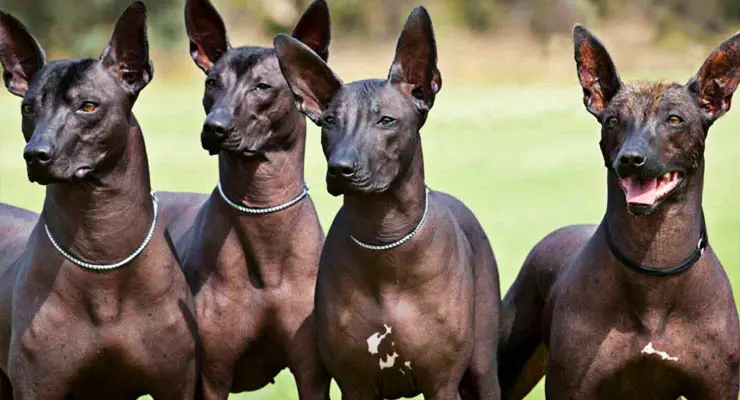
(648, 98)
(242, 60)
(58, 78)
(362, 95)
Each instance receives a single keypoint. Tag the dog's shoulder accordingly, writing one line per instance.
(551, 254)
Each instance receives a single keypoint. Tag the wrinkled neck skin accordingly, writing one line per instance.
(382, 218)
(105, 221)
(663, 239)
(258, 183)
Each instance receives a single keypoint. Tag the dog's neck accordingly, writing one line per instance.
(663, 239)
(105, 221)
(263, 183)
(388, 216)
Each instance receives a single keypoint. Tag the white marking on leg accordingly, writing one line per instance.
(649, 349)
(389, 362)
(373, 342)
(407, 364)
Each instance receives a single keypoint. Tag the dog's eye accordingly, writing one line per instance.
(387, 121)
(674, 120)
(88, 107)
(612, 122)
(328, 121)
(27, 109)
(211, 83)
(263, 87)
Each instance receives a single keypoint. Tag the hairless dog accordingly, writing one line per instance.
(97, 306)
(251, 248)
(407, 296)
(639, 306)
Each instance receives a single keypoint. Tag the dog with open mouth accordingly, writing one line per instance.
(638, 306)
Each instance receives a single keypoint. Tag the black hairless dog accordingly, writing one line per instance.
(407, 296)
(638, 307)
(97, 307)
(251, 248)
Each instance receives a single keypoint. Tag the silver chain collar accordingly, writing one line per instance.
(401, 240)
(108, 267)
(266, 210)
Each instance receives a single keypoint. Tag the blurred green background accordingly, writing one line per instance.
(508, 134)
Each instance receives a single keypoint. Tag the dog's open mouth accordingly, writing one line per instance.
(647, 192)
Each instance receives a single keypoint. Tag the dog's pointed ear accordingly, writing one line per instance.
(207, 33)
(20, 54)
(414, 69)
(596, 71)
(312, 82)
(127, 53)
(718, 78)
(314, 28)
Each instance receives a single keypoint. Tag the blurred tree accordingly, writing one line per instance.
(80, 27)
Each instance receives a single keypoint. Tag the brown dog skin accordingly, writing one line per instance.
(580, 316)
(421, 318)
(68, 332)
(253, 275)
(16, 225)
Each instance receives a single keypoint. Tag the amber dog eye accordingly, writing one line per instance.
(674, 120)
(612, 122)
(27, 109)
(88, 107)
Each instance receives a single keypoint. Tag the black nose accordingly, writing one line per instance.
(39, 154)
(218, 125)
(632, 159)
(343, 167)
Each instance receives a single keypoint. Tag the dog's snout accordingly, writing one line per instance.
(632, 159)
(39, 154)
(217, 126)
(344, 168)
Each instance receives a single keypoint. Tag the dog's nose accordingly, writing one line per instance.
(632, 159)
(343, 168)
(38, 154)
(218, 126)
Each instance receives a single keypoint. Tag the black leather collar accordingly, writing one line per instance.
(687, 263)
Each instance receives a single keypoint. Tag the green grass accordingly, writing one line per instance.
(525, 159)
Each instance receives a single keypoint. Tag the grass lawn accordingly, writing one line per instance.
(525, 159)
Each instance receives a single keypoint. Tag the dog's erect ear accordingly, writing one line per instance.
(314, 28)
(21, 55)
(207, 33)
(596, 71)
(718, 78)
(414, 69)
(127, 53)
(312, 82)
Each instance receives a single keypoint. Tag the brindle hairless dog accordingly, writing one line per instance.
(407, 297)
(68, 330)
(638, 307)
(251, 250)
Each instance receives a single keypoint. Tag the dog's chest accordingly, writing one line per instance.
(394, 344)
(605, 353)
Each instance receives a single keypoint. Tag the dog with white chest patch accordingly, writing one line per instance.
(639, 306)
(407, 295)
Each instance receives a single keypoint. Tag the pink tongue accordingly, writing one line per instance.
(641, 191)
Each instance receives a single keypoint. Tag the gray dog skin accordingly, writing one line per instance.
(253, 276)
(421, 318)
(68, 332)
(603, 331)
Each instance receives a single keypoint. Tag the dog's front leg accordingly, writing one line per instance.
(311, 377)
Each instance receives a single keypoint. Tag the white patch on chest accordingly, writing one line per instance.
(389, 362)
(649, 349)
(373, 342)
(407, 364)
